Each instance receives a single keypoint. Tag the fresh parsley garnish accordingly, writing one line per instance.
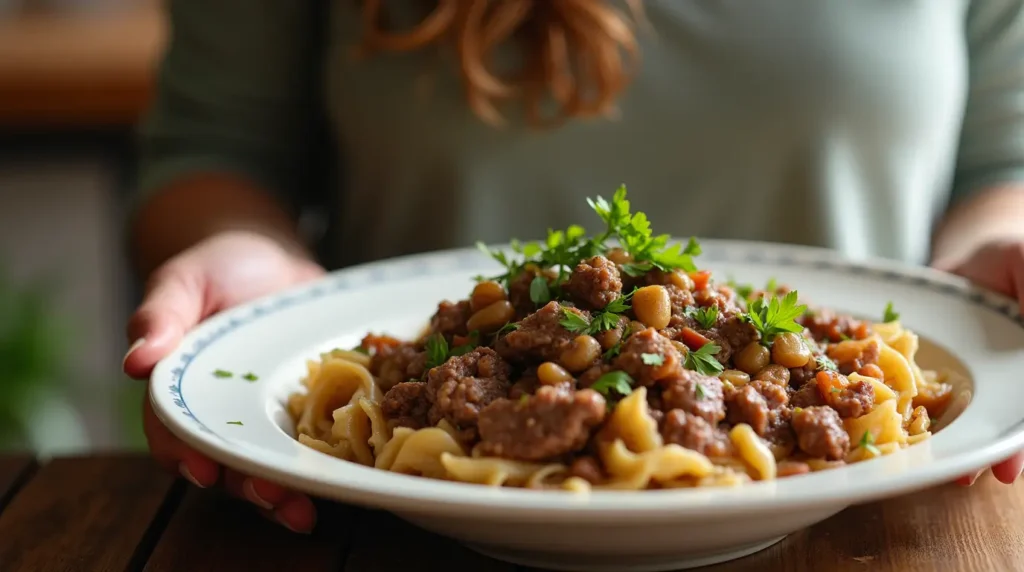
(508, 327)
(772, 286)
(774, 316)
(890, 315)
(614, 381)
(617, 348)
(471, 344)
(360, 349)
(437, 351)
(250, 377)
(867, 440)
(540, 293)
(704, 361)
(574, 322)
(234, 422)
(705, 317)
(524, 398)
(621, 304)
(652, 359)
(698, 391)
(222, 373)
(825, 363)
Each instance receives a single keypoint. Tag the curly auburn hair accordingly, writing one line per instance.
(579, 53)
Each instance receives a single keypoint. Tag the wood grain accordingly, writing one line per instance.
(87, 514)
(213, 532)
(14, 469)
(385, 543)
(948, 528)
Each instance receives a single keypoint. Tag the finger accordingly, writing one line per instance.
(968, 480)
(173, 305)
(1009, 470)
(297, 514)
(173, 455)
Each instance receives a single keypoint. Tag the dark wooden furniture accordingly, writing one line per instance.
(120, 513)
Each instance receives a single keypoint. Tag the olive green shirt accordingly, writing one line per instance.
(846, 124)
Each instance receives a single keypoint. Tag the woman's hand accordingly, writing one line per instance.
(223, 271)
(998, 266)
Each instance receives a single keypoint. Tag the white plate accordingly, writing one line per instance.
(646, 530)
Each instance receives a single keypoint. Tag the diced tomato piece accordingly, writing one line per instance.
(693, 339)
(701, 279)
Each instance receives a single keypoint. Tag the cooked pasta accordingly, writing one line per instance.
(587, 366)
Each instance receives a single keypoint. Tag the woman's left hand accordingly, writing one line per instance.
(998, 266)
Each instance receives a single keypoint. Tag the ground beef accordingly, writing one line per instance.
(696, 394)
(774, 373)
(450, 319)
(854, 400)
(693, 432)
(849, 362)
(808, 395)
(820, 433)
(594, 283)
(406, 405)
(551, 423)
(587, 468)
(731, 336)
(539, 337)
(527, 384)
(762, 405)
(393, 365)
(462, 386)
(827, 326)
(649, 342)
(799, 376)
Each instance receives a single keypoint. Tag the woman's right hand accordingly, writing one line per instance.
(222, 271)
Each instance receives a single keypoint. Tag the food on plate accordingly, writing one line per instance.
(613, 362)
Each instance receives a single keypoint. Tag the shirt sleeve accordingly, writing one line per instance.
(233, 95)
(992, 138)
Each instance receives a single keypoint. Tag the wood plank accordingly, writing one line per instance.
(14, 470)
(374, 549)
(87, 514)
(211, 531)
(948, 528)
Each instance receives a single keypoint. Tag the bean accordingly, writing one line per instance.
(484, 294)
(789, 350)
(492, 317)
(683, 349)
(619, 256)
(652, 306)
(752, 358)
(774, 373)
(734, 376)
(681, 280)
(581, 354)
(550, 373)
(609, 338)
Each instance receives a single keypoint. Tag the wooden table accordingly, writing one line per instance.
(121, 513)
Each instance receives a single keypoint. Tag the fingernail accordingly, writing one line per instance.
(973, 478)
(288, 525)
(183, 469)
(138, 344)
(252, 496)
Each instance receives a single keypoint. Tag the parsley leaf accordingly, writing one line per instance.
(705, 317)
(621, 304)
(508, 327)
(234, 422)
(867, 440)
(470, 345)
(890, 315)
(250, 377)
(603, 321)
(774, 316)
(524, 398)
(540, 294)
(825, 363)
(704, 361)
(360, 349)
(652, 359)
(437, 351)
(614, 381)
(617, 348)
(573, 322)
(222, 373)
(698, 391)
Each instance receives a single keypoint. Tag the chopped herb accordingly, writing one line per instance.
(604, 321)
(615, 349)
(706, 317)
(470, 345)
(234, 422)
(867, 441)
(360, 349)
(772, 286)
(508, 327)
(825, 363)
(540, 294)
(524, 398)
(797, 410)
(250, 377)
(614, 381)
(776, 316)
(621, 304)
(890, 315)
(222, 373)
(835, 390)
(652, 359)
(698, 390)
(843, 337)
(437, 351)
(573, 322)
(703, 360)
(512, 267)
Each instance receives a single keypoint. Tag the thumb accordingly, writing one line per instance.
(173, 304)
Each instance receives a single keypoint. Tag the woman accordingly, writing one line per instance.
(881, 129)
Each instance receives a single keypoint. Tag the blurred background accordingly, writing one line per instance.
(75, 76)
